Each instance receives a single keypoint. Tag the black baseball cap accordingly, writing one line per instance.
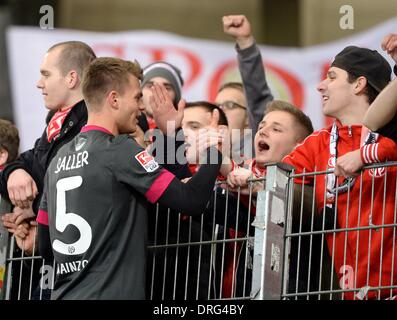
(364, 62)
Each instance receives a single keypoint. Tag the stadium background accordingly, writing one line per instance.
(297, 23)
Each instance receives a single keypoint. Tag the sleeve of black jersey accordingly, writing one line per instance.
(192, 197)
(45, 248)
(174, 144)
(134, 166)
(169, 150)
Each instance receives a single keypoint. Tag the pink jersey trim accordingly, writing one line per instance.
(97, 128)
(42, 217)
(159, 186)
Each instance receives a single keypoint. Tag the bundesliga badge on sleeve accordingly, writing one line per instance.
(147, 161)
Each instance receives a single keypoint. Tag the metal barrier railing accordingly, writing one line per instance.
(284, 242)
(204, 257)
(269, 226)
(341, 246)
(25, 274)
(4, 240)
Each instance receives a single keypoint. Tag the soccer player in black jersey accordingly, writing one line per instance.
(92, 216)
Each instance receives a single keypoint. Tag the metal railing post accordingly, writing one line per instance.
(5, 207)
(269, 223)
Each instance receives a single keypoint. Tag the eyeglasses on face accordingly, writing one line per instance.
(230, 105)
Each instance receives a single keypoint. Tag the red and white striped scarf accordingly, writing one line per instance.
(55, 125)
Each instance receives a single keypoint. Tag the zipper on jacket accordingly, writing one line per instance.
(349, 130)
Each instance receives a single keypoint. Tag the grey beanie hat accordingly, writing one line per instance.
(166, 71)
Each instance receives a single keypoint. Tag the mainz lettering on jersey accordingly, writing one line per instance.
(73, 161)
(68, 267)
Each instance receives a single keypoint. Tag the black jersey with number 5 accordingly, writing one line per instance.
(94, 202)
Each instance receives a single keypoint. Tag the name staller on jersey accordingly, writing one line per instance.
(72, 161)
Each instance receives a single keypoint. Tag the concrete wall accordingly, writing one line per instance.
(201, 19)
(275, 22)
(319, 19)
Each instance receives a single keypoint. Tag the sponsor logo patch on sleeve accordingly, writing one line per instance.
(147, 161)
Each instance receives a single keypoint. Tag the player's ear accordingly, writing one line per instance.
(113, 99)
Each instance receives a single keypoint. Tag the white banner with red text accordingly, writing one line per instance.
(293, 73)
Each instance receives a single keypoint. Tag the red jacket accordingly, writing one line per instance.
(369, 253)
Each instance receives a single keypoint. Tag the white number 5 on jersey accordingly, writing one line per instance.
(63, 219)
